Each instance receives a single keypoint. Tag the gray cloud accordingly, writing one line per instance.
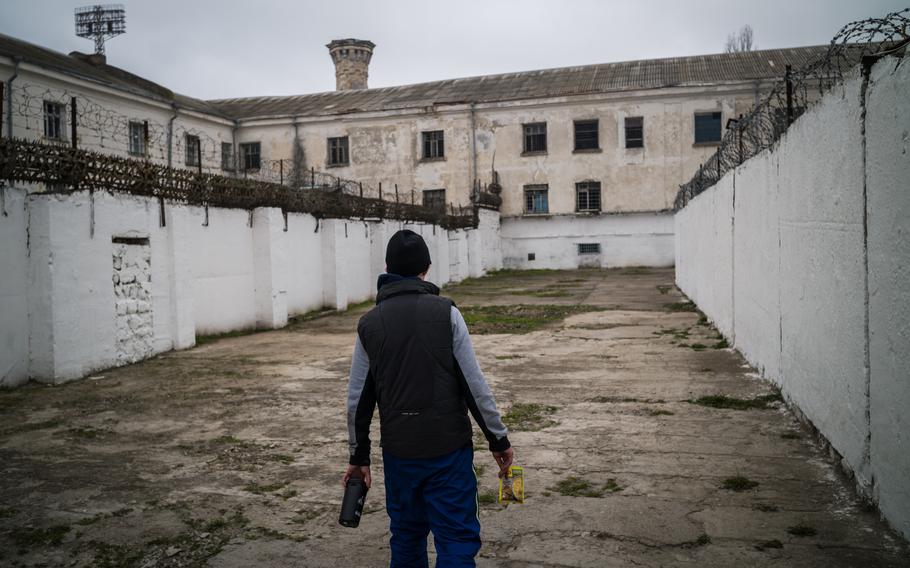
(219, 49)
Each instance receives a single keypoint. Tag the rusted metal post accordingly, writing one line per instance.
(361, 189)
(789, 81)
(396, 193)
(199, 157)
(739, 136)
(73, 122)
(380, 191)
(312, 177)
(281, 171)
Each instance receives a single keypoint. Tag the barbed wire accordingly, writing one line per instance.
(792, 94)
(102, 128)
(63, 169)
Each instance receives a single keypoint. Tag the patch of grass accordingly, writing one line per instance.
(676, 333)
(769, 544)
(7, 512)
(664, 288)
(518, 318)
(114, 555)
(212, 338)
(510, 273)
(612, 399)
(528, 417)
(258, 489)
(577, 487)
(739, 483)
(27, 538)
(283, 458)
(361, 305)
(288, 494)
(681, 307)
(33, 426)
(790, 436)
(695, 346)
(722, 344)
(706, 370)
(479, 470)
(731, 403)
(611, 486)
(544, 293)
(507, 357)
(487, 497)
(766, 507)
(87, 433)
(599, 326)
(702, 320)
(661, 413)
(703, 540)
(802, 530)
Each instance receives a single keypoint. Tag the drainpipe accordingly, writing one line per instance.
(9, 97)
(473, 144)
(234, 148)
(170, 136)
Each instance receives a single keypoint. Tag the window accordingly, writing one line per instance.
(707, 127)
(587, 196)
(586, 135)
(250, 156)
(588, 248)
(192, 150)
(53, 120)
(139, 132)
(635, 132)
(535, 137)
(433, 145)
(434, 199)
(338, 151)
(227, 156)
(536, 199)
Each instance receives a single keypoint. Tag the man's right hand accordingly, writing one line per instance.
(361, 471)
(503, 460)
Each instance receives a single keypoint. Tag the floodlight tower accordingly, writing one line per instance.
(100, 22)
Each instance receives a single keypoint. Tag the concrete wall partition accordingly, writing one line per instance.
(802, 259)
(71, 307)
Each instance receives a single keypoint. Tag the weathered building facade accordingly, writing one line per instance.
(588, 158)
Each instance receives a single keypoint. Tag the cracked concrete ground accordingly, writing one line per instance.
(229, 454)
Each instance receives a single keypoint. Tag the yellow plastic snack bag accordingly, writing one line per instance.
(512, 487)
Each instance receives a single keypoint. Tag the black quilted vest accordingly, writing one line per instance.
(408, 337)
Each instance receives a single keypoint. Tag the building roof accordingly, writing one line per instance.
(567, 81)
(561, 82)
(80, 65)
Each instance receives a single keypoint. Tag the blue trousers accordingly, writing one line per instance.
(439, 495)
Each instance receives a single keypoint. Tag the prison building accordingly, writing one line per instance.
(588, 159)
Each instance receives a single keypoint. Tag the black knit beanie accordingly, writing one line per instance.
(407, 254)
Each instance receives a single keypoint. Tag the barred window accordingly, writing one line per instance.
(227, 156)
(587, 196)
(707, 127)
(588, 248)
(433, 144)
(536, 199)
(586, 135)
(138, 137)
(338, 151)
(434, 199)
(192, 150)
(635, 132)
(535, 137)
(250, 157)
(53, 120)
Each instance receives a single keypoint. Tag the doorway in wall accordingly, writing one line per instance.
(132, 278)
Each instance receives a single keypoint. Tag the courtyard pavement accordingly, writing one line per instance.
(645, 442)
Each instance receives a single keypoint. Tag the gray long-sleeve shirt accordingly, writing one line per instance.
(486, 413)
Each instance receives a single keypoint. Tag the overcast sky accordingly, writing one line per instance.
(226, 48)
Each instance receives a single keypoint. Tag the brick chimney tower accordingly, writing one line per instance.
(352, 62)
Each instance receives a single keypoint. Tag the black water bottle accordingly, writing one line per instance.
(355, 493)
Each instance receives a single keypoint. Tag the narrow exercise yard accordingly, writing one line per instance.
(645, 440)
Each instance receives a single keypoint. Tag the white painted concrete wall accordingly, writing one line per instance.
(800, 305)
(887, 172)
(14, 287)
(67, 310)
(643, 239)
